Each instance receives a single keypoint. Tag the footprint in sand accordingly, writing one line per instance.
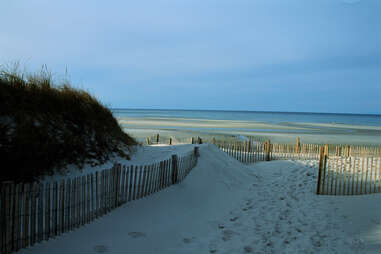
(100, 249)
(136, 234)
(189, 240)
(234, 218)
(228, 234)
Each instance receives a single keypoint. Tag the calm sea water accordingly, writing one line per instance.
(257, 116)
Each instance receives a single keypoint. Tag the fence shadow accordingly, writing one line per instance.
(33, 212)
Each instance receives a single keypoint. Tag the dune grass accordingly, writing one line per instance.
(45, 126)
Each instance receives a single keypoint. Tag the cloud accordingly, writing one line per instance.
(142, 45)
(350, 1)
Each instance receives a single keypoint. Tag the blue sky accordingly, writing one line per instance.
(271, 55)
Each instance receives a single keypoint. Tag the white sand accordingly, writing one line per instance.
(224, 206)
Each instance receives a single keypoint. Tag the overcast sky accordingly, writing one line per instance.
(272, 55)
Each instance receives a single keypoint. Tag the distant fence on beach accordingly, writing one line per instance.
(343, 169)
(251, 152)
(348, 175)
(161, 140)
(33, 212)
(253, 149)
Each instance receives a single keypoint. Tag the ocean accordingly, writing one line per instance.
(255, 116)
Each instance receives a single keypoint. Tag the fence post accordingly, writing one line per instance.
(148, 141)
(26, 218)
(268, 147)
(62, 208)
(174, 169)
(213, 141)
(5, 217)
(196, 151)
(192, 140)
(33, 214)
(116, 184)
(321, 154)
(326, 150)
(2, 219)
(298, 145)
(170, 141)
(157, 138)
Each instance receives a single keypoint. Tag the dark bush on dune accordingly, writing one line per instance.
(44, 127)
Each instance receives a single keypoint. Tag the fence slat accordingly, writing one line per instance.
(83, 201)
(26, 218)
(123, 184)
(55, 209)
(102, 194)
(97, 195)
(138, 192)
(366, 175)
(18, 214)
(47, 211)
(131, 169)
(88, 196)
(62, 208)
(72, 205)
(93, 197)
(3, 220)
(78, 203)
(144, 181)
(40, 213)
(33, 214)
(9, 191)
(67, 205)
(135, 183)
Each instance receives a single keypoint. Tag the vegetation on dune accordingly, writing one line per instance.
(44, 127)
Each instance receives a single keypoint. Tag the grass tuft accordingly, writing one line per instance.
(45, 126)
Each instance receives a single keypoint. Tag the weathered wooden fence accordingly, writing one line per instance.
(348, 175)
(277, 151)
(31, 213)
(157, 139)
(343, 169)
(251, 152)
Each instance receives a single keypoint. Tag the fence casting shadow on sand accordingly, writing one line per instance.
(33, 212)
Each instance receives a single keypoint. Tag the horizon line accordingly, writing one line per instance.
(252, 111)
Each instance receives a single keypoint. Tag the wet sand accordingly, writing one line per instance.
(285, 132)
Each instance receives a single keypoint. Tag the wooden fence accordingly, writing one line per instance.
(348, 175)
(277, 151)
(343, 170)
(31, 213)
(251, 152)
(157, 139)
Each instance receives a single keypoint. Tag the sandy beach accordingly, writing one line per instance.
(224, 206)
(285, 132)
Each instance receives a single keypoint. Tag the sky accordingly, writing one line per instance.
(260, 55)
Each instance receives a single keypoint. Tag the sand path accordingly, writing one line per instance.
(224, 206)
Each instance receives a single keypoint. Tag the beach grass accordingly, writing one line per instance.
(45, 125)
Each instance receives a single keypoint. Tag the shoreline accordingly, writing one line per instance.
(286, 132)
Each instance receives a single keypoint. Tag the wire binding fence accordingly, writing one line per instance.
(33, 212)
